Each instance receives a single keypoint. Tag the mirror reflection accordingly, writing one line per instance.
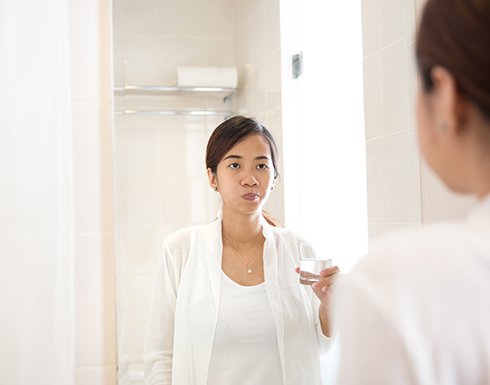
(349, 166)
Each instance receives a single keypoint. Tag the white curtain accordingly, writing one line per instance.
(36, 230)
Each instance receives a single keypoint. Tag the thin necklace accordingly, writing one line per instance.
(249, 265)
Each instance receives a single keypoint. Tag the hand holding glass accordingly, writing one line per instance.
(310, 264)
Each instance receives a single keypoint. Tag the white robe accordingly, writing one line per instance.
(184, 308)
(416, 310)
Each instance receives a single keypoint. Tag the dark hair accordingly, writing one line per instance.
(232, 131)
(455, 34)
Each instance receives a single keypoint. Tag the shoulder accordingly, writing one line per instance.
(181, 236)
(421, 244)
(284, 235)
(410, 259)
(183, 239)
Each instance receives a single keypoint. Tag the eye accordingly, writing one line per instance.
(262, 166)
(234, 166)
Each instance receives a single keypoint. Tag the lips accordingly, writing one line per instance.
(250, 196)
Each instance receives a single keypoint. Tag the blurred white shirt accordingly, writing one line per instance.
(416, 310)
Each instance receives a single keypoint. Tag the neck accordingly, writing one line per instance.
(482, 184)
(241, 228)
(477, 166)
(478, 154)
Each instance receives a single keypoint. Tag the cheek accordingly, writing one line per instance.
(269, 179)
(422, 124)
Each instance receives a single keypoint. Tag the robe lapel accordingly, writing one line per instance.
(214, 250)
(272, 287)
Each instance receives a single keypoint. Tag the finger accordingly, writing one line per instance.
(329, 271)
(331, 278)
(320, 284)
(325, 289)
(297, 270)
(328, 281)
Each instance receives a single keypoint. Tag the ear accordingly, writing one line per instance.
(447, 102)
(212, 179)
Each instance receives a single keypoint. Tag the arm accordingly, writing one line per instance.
(325, 323)
(158, 351)
(325, 340)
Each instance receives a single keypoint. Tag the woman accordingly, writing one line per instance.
(228, 308)
(416, 310)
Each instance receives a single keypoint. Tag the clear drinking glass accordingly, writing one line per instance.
(310, 264)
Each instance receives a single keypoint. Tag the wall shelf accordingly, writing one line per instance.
(174, 112)
(223, 92)
(220, 92)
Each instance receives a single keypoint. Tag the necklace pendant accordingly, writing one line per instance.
(249, 270)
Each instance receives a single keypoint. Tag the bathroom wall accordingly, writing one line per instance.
(401, 189)
(95, 328)
(258, 58)
(393, 162)
(160, 175)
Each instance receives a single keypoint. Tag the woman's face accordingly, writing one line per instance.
(245, 175)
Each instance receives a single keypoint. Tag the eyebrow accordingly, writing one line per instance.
(240, 157)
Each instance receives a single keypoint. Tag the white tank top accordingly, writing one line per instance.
(245, 348)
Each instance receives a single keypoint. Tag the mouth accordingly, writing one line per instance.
(251, 196)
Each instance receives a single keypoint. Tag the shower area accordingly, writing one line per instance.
(162, 121)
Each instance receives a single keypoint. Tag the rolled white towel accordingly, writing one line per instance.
(226, 77)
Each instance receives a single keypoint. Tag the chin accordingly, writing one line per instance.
(253, 208)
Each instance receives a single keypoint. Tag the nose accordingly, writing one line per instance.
(249, 180)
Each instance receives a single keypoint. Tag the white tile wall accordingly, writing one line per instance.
(409, 21)
(394, 87)
(373, 96)
(143, 18)
(95, 338)
(272, 28)
(398, 190)
(137, 152)
(375, 181)
(193, 18)
(141, 202)
(371, 26)
(393, 176)
(136, 337)
(141, 59)
(137, 304)
(392, 17)
(96, 375)
(138, 247)
(411, 86)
